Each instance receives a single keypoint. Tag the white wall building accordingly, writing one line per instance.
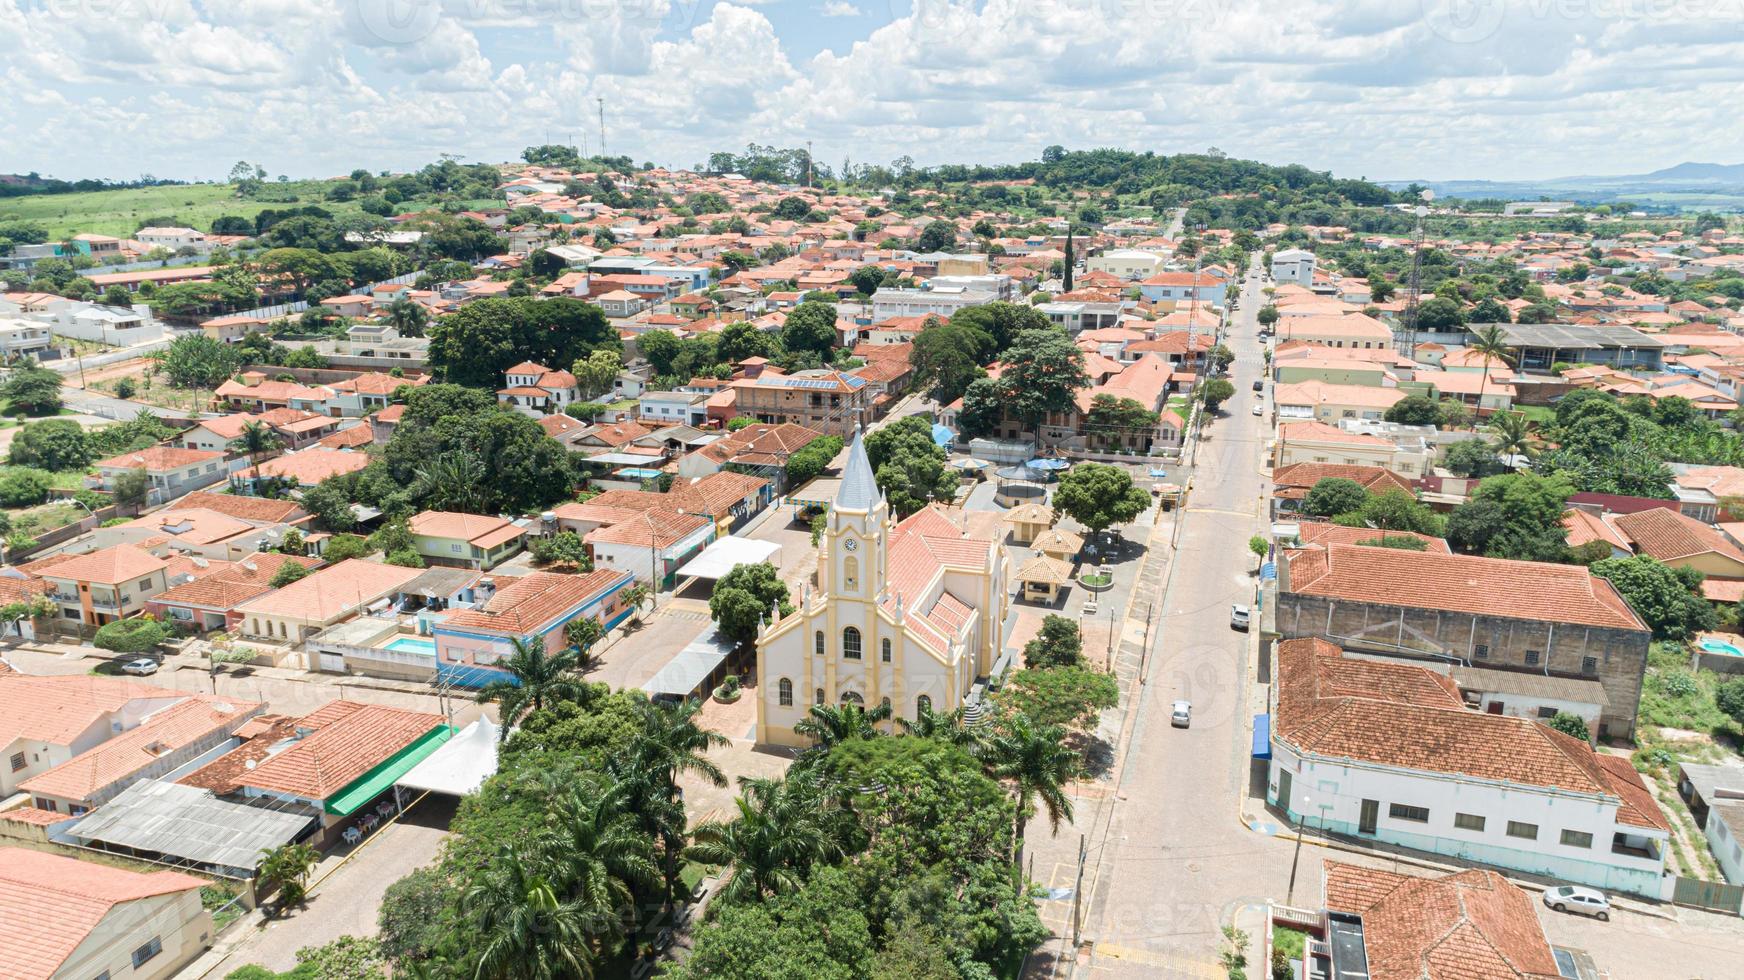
(115, 325)
(944, 301)
(1389, 752)
(1293, 265)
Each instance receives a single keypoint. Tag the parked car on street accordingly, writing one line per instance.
(142, 667)
(1259, 384)
(1238, 618)
(1181, 714)
(1574, 898)
(1259, 409)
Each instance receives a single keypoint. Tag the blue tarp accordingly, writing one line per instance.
(1268, 571)
(1262, 739)
(942, 435)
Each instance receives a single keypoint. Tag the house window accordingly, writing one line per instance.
(818, 642)
(18, 761)
(884, 649)
(1525, 831)
(454, 548)
(144, 583)
(1577, 838)
(922, 705)
(1589, 665)
(1531, 657)
(1546, 713)
(851, 643)
(853, 698)
(70, 613)
(1415, 814)
(1468, 821)
(818, 697)
(146, 952)
(786, 690)
(1481, 651)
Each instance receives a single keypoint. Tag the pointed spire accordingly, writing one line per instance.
(859, 490)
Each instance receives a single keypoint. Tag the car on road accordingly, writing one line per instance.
(1238, 618)
(142, 667)
(1259, 384)
(1574, 898)
(1181, 714)
(1259, 409)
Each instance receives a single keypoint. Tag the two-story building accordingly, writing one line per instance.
(466, 540)
(533, 608)
(536, 390)
(830, 402)
(169, 471)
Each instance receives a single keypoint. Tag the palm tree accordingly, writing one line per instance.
(452, 481)
(1038, 765)
(827, 725)
(523, 929)
(582, 633)
(407, 317)
(287, 867)
(1511, 434)
(602, 856)
(536, 677)
(256, 438)
(1490, 342)
(944, 726)
(669, 744)
(781, 832)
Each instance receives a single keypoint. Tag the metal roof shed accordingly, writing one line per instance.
(189, 824)
(693, 666)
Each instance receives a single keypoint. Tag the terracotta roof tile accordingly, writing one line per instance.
(530, 604)
(1666, 535)
(196, 717)
(348, 739)
(50, 904)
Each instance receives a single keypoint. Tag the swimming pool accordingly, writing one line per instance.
(1720, 647)
(639, 473)
(412, 644)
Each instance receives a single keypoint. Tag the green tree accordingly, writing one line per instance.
(535, 678)
(1665, 598)
(660, 347)
(1729, 697)
(1114, 422)
(1099, 496)
(562, 548)
(130, 636)
(744, 597)
(1515, 515)
(909, 465)
(937, 236)
(1490, 341)
(1414, 410)
(1214, 392)
(408, 317)
(55, 445)
(782, 830)
(1070, 696)
(1258, 545)
(1473, 458)
(475, 344)
(946, 359)
(1439, 313)
(1333, 496)
(130, 491)
(867, 279)
(810, 327)
(1056, 644)
(287, 868)
(287, 573)
(198, 361)
(522, 926)
(1268, 315)
(1043, 373)
(344, 547)
(33, 389)
(1000, 323)
(809, 460)
(1510, 434)
(1036, 763)
(1570, 724)
(742, 340)
(256, 439)
(784, 937)
(983, 408)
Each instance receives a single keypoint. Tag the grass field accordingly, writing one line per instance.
(120, 212)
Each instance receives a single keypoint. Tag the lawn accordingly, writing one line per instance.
(156, 391)
(1540, 414)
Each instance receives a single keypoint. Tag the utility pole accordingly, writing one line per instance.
(808, 175)
(602, 119)
(1078, 898)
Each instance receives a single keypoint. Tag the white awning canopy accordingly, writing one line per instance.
(728, 553)
(461, 765)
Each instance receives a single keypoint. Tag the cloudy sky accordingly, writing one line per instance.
(1377, 88)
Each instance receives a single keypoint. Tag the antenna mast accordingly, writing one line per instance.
(602, 119)
(1408, 343)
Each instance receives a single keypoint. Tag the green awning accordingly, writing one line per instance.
(373, 783)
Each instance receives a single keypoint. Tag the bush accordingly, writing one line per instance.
(130, 636)
(343, 547)
(1729, 697)
(289, 572)
(1679, 684)
(24, 488)
(810, 459)
(52, 444)
(1570, 724)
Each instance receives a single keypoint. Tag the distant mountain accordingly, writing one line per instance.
(1684, 185)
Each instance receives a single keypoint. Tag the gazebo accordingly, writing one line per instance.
(1041, 578)
(1029, 520)
(1058, 543)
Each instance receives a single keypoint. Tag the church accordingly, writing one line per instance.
(906, 613)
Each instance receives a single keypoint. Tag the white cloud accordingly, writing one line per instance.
(1381, 88)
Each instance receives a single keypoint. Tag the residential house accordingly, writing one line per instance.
(1390, 752)
(673, 407)
(536, 390)
(212, 602)
(536, 607)
(1126, 263)
(652, 546)
(21, 338)
(1290, 484)
(1331, 402)
(319, 600)
(891, 301)
(1715, 796)
(620, 303)
(170, 471)
(67, 918)
(165, 741)
(1293, 265)
(194, 531)
(828, 401)
(1318, 442)
(466, 540)
(1517, 619)
(761, 449)
(102, 586)
(48, 720)
(307, 468)
(1352, 330)
(1670, 538)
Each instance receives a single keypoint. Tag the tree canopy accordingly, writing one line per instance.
(474, 345)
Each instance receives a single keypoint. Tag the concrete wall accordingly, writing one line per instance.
(1620, 657)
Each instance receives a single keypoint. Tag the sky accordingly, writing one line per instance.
(1383, 89)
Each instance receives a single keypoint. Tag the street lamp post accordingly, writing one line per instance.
(1294, 861)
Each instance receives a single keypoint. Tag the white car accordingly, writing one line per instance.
(1574, 898)
(1181, 714)
(1259, 409)
(141, 667)
(1238, 618)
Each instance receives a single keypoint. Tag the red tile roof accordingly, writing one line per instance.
(346, 741)
(196, 717)
(1463, 926)
(261, 510)
(1669, 536)
(235, 585)
(158, 459)
(50, 905)
(108, 566)
(1538, 591)
(530, 604)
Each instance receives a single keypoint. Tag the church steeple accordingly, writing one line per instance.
(859, 491)
(854, 536)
